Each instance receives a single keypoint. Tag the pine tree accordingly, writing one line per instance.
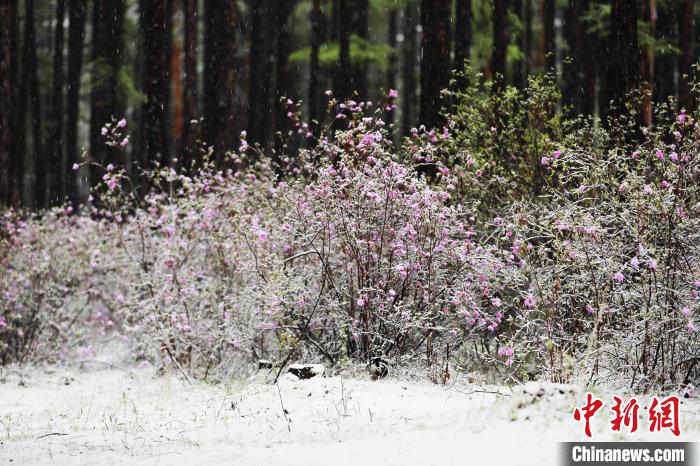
(435, 66)
(76, 35)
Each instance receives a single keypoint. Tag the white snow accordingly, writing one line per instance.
(132, 416)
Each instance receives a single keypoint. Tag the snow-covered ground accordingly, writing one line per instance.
(132, 416)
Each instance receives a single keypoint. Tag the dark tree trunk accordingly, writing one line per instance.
(360, 28)
(55, 142)
(623, 72)
(107, 52)
(283, 78)
(665, 60)
(156, 85)
(519, 75)
(500, 43)
(550, 52)
(6, 98)
(408, 80)
(342, 85)
(31, 81)
(463, 33)
(391, 72)
(19, 121)
(527, 37)
(574, 69)
(219, 74)
(76, 34)
(435, 66)
(685, 60)
(317, 21)
(190, 112)
(262, 58)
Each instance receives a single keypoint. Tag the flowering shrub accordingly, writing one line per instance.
(576, 257)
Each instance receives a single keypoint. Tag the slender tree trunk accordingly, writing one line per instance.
(463, 33)
(527, 37)
(156, 85)
(573, 73)
(391, 72)
(190, 112)
(220, 18)
(360, 28)
(55, 141)
(262, 59)
(408, 80)
(6, 98)
(665, 61)
(519, 76)
(76, 34)
(31, 80)
(342, 84)
(623, 72)
(550, 52)
(685, 60)
(107, 51)
(435, 66)
(500, 43)
(283, 78)
(647, 63)
(317, 21)
(19, 139)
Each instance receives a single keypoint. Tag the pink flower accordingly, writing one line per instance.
(652, 265)
(686, 311)
(3, 322)
(393, 93)
(104, 131)
(635, 155)
(529, 301)
(634, 262)
(360, 302)
(496, 302)
(682, 117)
(262, 235)
(660, 154)
(124, 142)
(619, 278)
(121, 123)
(590, 309)
(76, 167)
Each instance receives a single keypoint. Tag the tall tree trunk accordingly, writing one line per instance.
(283, 78)
(646, 61)
(317, 21)
(6, 98)
(190, 112)
(500, 43)
(76, 34)
(31, 80)
(665, 60)
(463, 33)
(685, 60)
(55, 141)
(573, 73)
(360, 28)
(261, 69)
(435, 66)
(219, 74)
(527, 37)
(408, 72)
(623, 72)
(342, 84)
(156, 85)
(107, 51)
(19, 125)
(391, 72)
(519, 75)
(550, 52)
